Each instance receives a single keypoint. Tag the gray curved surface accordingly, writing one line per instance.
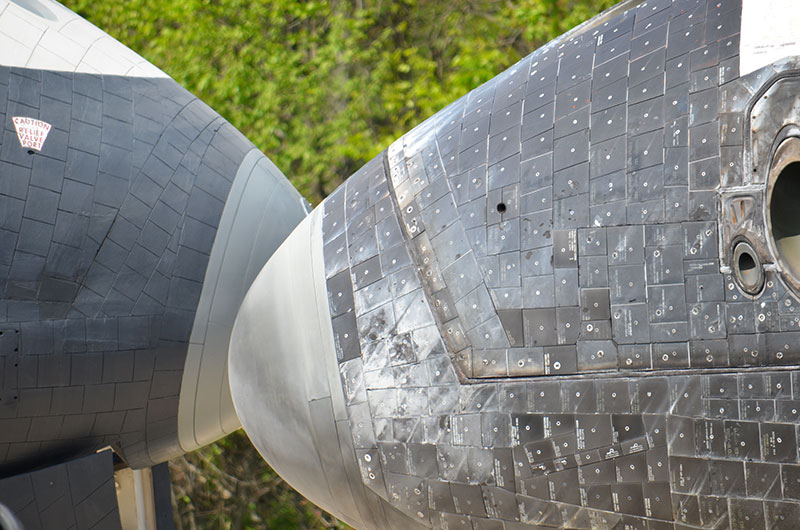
(273, 392)
(261, 210)
(106, 236)
(107, 231)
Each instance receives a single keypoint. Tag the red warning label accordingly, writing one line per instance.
(31, 133)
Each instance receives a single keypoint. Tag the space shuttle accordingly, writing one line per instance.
(570, 299)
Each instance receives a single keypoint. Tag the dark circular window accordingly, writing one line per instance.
(784, 216)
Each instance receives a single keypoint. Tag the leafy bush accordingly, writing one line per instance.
(323, 86)
(228, 485)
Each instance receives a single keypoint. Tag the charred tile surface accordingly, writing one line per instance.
(532, 293)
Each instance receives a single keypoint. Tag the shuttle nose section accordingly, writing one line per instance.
(284, 377)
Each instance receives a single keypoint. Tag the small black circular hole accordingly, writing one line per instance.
(501, 207)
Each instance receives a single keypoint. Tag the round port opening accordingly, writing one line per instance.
(747, 268)
(501, 207)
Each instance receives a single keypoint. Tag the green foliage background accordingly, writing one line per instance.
(321, 86)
